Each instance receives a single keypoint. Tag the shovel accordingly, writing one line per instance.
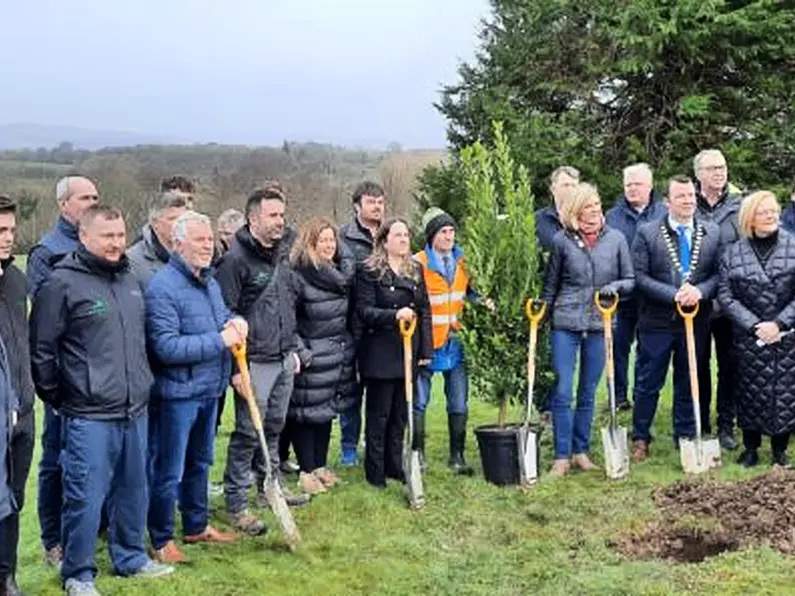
(697, 456)
(527, 435)
(411, 457)
(273, 491)
(614, 437)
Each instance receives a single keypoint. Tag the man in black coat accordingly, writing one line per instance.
(357, 237)
(676, 261)
(256, 283)
(639, 204)
(14, 334)
(89, 362)
(718, 204)
(9, 515)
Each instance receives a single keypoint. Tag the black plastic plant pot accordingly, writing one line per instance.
(499, 452)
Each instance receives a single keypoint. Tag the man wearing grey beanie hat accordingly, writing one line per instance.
(448, 287)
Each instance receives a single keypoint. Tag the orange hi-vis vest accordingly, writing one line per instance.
(447, 301)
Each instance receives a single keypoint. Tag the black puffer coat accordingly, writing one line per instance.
(751, 293)
(327, 353)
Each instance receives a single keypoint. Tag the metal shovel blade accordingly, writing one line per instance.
(616, 448)
(414, 478)
(699, 456)
(527, 440)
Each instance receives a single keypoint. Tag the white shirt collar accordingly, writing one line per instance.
(675, 224)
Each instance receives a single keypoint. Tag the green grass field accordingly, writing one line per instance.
(472, 538)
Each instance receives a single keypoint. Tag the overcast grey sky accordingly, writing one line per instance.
(246, 71)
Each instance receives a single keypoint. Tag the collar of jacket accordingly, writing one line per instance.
(154, 248)
(357, 232)
(99, 266)
(702, 200)
(205, 273)
(434, 264)
(66, 228)
(249, 243)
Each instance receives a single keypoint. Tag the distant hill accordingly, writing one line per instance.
(33, 136)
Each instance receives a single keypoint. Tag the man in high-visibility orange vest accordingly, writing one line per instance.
(448, 287)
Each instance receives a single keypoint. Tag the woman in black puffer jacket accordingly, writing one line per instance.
(757, 292)
(322, 284)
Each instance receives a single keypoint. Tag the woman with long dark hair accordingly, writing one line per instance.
(322, 284)
(389, 289)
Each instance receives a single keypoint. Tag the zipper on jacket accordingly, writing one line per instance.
(124, 351)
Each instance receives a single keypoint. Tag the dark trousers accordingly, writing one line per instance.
(386, 417)
(285, 440)
(626, 332)
(50, 491)
(310, 442)
(22, 441)
(351, 422)
(273, 386)
(655, 349)
(104, 460)
(720, 330)
(752, 440)
(186, 430)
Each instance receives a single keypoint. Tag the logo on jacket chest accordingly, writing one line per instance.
(98, 306)
(261, 279)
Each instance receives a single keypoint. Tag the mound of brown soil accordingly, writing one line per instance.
(753, 512)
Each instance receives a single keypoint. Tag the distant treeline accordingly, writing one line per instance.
(318, 178)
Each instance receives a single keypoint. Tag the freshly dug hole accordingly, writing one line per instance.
(748, 513)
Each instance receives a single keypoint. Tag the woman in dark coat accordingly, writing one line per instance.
(587, 257)
(322, 284)
(757, 291)
(389, 288)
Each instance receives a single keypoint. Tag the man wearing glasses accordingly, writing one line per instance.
(718, 202)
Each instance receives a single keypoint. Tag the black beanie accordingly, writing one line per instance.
(437, 223)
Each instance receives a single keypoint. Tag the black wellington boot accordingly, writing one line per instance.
(457, 427)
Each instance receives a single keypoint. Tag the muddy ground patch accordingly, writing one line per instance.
(704, 519)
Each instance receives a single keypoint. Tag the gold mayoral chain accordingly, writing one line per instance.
(674, 254)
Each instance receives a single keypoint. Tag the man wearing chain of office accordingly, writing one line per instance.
(676, 262)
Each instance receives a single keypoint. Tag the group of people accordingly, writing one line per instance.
(129, 346)
(705, 248)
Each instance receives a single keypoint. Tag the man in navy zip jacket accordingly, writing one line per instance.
(638, 205)
(89, 362)
(189, 331)
(74, 195)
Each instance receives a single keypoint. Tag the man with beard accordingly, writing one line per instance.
(14, 335)
(74, 195)
(153, 250)
(89, 362)
(369, 206)
(639, 204)
(718, 204)
(255, 280)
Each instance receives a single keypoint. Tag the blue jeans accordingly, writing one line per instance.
(184, 456)
(572, 430)
(351, 422)
(624, 335)
(456, 389)
(49, 505)
(104, 460)
(655, 348)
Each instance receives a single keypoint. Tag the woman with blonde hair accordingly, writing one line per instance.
(757, 292)
(587, 257)
(389, 289)
(322, 279)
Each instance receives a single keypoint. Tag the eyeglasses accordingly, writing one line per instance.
(766, 213)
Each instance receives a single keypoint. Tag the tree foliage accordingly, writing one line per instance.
(605, 83)
(501, 252)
